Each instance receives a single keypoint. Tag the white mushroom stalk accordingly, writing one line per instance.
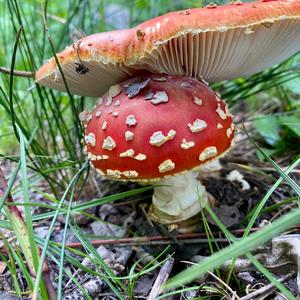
(178, 198)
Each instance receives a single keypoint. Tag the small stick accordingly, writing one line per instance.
(150, 240)
(142, 242)
(162, 277)
(234, 294)
(142, 207)
(267, 288)
(17, 72)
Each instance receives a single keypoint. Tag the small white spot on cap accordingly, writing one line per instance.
(113, 173)
(104, 125)
(238, 2)
(185, 84)
(131, 120)
(140, 157)
(127, 153)
(114, 90)
(221, 112)
(158, 138)
(108, 101)
(100, 157)
(219, 126)
(228, 132)
(129, 135)
(89, 118)
(131, 174)
(160, 97)
(232, 126)
(159, 78)
(92, 156)
(109, 143)
(84, 116)
(98, 113)
(227, 112)
(115, 113)
(99, 101)
(90, 139)
(208, 152)
(211, 5)
(117, 103)
(198, 101)
(187, 145)
(99, 171)
(166, 166)
(197, 126)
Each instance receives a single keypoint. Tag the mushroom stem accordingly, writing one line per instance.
(178, 198)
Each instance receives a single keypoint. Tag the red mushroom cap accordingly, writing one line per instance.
(153, 126)
(215, 42)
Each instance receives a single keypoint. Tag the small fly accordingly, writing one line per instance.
(80, 68)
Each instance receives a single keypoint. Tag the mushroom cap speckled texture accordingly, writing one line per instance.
(214, 43)
(153, 126)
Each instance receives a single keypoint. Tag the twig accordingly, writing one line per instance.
(150, 240)
(142, 207)
(162, 277)
(146, 241)
(17, 72)
(234, 294)
(267, 288)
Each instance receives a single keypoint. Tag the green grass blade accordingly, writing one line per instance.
(47, 239)
(25, 189)
(240, 247)
(266, 197)
(62, 253)
(98, 259)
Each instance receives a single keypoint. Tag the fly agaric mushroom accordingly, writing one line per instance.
(161, 129)
(214, 42)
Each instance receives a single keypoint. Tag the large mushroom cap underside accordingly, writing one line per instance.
(214, 43)
(152, 126)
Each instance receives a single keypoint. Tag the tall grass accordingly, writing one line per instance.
(40, 135)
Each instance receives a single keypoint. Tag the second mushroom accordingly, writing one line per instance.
(160, 129)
